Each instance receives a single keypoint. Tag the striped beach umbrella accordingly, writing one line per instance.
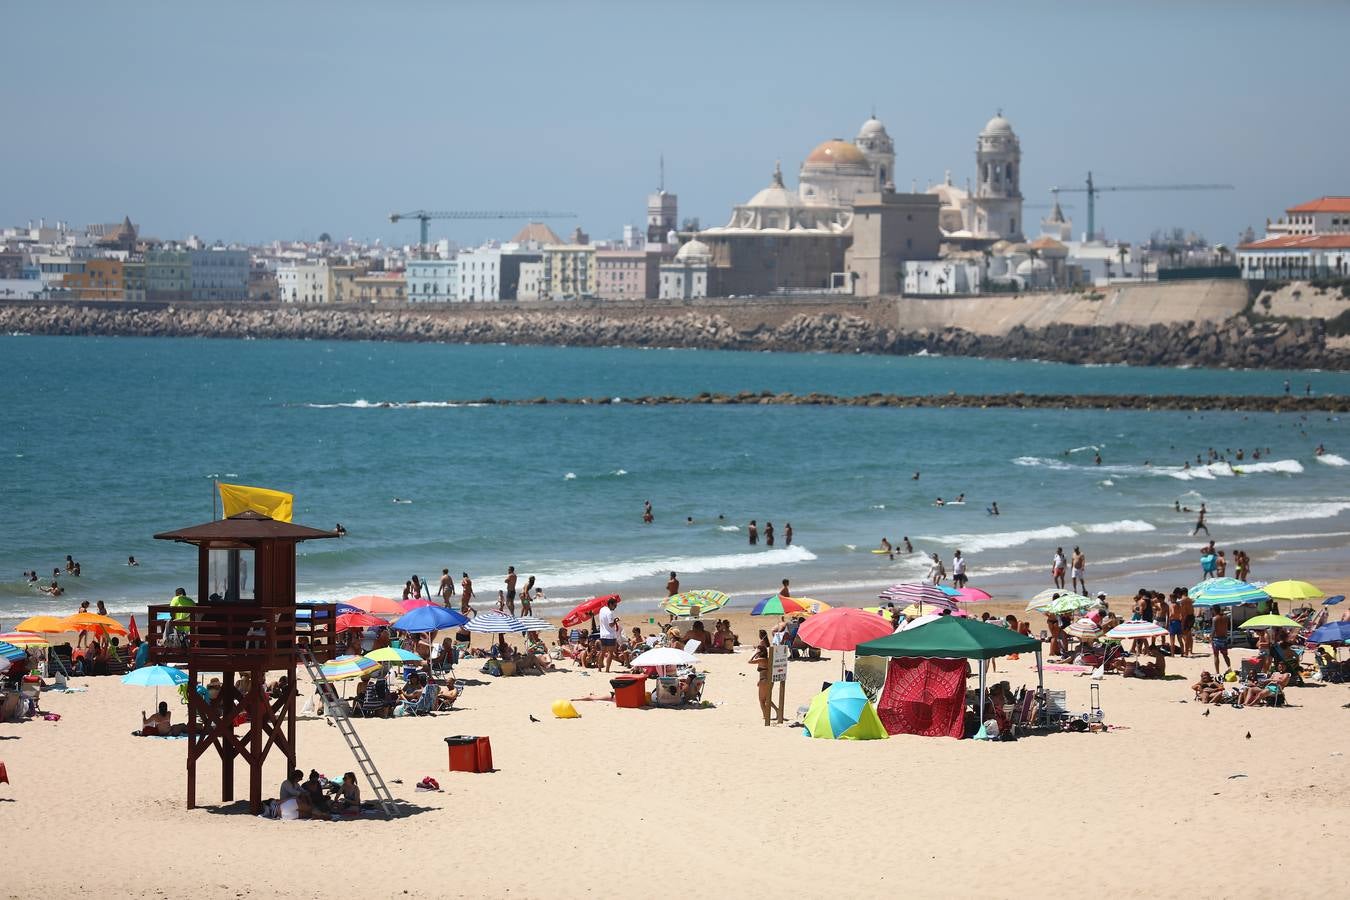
(495, 622)
(695, 602)
(778, 605)
(1084, 628)
(11, 652)
(25, 639)
(392, 655)
(345, 667)
(918, 593)
(1065, 603)
(1130, 630)
(1226, 592)
(534, 623)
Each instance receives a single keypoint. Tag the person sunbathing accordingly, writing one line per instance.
(1208, 689)
(348, 799)
(160, 724)
(1155, 669)
(1270, 691)
(701, 634)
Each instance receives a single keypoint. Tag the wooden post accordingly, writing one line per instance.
(778, 660)
(192, 743)
(257, 711)
(227, 751)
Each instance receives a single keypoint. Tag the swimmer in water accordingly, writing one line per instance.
(909, 548)
(131, 561)
(939, 502)
(886, 545)
(915, 477)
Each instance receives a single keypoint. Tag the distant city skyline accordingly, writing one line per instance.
(256, 122)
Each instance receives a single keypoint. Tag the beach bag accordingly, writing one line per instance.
(491, 667)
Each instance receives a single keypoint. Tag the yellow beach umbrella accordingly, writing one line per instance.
(25, 639)
(1292, 590)
(877, 610)
(43, 625)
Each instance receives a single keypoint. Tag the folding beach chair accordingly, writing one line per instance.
(1053, 707)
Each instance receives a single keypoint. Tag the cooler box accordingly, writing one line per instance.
(630, 691)
(469, 753)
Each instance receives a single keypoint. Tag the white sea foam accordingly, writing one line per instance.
(619, 472)
(1108, 483)
(1275, 512)
(1331, 459)
(1180, 473)
(1000, 540)
(728, 528)
(570, 476)
(631, 570)
(1124, 526)
(395, 404)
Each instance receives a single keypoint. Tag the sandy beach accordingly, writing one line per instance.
(707, 802)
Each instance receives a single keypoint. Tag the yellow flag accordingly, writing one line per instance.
(235, 498)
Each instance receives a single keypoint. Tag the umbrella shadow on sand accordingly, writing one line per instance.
(240, 808)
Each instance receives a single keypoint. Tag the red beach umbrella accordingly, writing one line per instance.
(843, 628)
(373, 604)
(358, 620)
(586, 609)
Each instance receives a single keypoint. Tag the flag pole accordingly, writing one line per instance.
(215, 491)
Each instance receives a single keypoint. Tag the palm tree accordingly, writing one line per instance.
(1122, 251)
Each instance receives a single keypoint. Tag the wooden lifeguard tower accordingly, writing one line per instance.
(241, 627)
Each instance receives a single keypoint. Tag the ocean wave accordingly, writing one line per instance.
(1331, 459)
(1180, 473)
(612, 573)
(619, 472)
(1000, 540)
(570, 476)
(1276, 513)
(728, 528)
(1124, 526)
(393, 404)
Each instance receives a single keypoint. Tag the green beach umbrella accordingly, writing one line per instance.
(691, 601)
(1226, 592)
(1270, 621)
(1067, 603)
(1293, 590)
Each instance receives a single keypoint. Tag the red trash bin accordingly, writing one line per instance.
(630, 691)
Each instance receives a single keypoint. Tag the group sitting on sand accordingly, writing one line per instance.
(316, 798)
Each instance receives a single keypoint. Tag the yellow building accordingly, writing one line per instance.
(342, 283)
(378, 287)
(569, 271)
(102, 279)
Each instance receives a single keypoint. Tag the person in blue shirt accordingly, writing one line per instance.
(142, 654)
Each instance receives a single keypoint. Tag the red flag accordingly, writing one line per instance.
(133, 633)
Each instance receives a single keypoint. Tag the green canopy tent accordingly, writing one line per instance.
(950, 637)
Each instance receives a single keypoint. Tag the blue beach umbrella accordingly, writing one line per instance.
(155, 676)
(1332, 601)
(1226, 592)
(491, 622)
(1331, 633)
(429, 618)
(842, 712)
(12, 653)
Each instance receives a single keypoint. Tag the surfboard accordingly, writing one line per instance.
(883, 551)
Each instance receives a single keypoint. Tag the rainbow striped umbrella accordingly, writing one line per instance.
(1128, 630)
(1226, 592)
(695, 602)
(778, 605)
(345, 667)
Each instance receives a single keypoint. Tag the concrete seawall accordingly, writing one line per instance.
(1195, 323)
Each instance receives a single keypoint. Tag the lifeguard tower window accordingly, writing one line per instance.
(231, 576)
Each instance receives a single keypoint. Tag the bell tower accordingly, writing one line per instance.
(998, 193)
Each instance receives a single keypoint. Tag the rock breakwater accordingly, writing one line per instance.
(1236, 343)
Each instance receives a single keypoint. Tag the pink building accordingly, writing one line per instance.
(627, 274)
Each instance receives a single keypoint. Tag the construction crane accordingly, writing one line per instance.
(424, 216)
(1092, 190)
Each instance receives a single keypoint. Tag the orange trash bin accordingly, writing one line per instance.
(630, 691)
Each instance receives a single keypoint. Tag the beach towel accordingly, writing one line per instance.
(925, 697)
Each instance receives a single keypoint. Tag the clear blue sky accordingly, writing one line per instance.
(252, 121)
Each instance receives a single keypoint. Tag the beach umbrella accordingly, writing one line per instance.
(973, 595)
(1084, 629)
(663, 656)
(495, 621)
(812, 606)
(374, 604)
(918, 622)
(1130, 630)
(534, 623)
(1330, 633)
(1292, 590)
(694, 603)
(25, 639)
(155, 677)
(883, 611)
(584, 610)
(359, 620)
(919, 593)
(1067, 603)
(843, 629)
(345, 667)
(42, 625)
(12, 653)
(92, 622)
(1270, 621)
(778, 605)
(414, 603)
(843, 712)
(1332, 601)
(426, 619)
(1226, 592)
(393, 655)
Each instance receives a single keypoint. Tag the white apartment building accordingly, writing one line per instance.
(480, 274)
(303, 281)
(531, 281)
(432, 280)
(1311, 241)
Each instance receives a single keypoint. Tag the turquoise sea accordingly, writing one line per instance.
(109, 440)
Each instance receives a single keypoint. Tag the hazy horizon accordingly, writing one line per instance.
(254, 122)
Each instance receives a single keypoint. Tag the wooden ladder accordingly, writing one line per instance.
(335, 708)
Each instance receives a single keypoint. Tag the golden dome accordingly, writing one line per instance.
(836, 153)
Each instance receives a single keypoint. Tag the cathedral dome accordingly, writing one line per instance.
(872, 128)
(694, 249)
(776, 196)
(836, 153)
(997, 126)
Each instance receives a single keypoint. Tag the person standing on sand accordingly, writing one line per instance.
(466, 595)
(527, 598)
(608, 627)
(1220, 641)
(768, 534)
(1078, 571)
(1174, 627)
(1187, 623)
(764, 685)
(1057, 568)
(936, 572)
(1200, 521)
(446, 590)
(672, 585)
(787, 535)
(753, 531)
(511, 590)
(959, 579)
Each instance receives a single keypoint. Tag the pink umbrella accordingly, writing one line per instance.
(373, 604)
(414, 603)
(843, 628)
(359, 620)
(973, 595)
